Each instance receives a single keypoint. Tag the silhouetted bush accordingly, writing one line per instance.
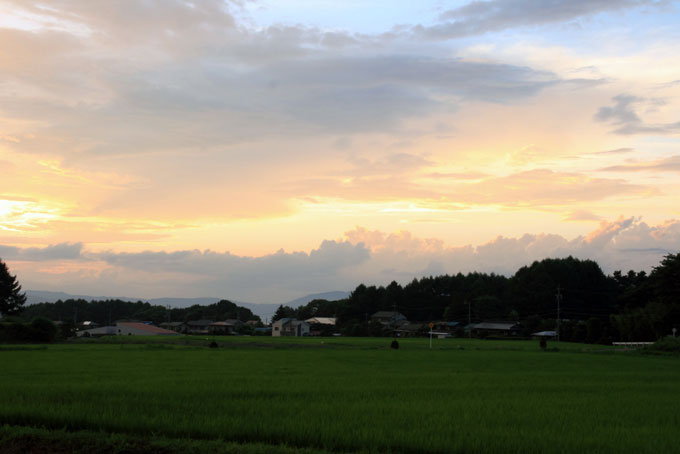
(39, 330)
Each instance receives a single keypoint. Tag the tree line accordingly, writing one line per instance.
(591, 306)
(107, 312)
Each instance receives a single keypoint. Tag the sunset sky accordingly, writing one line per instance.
(261, 150)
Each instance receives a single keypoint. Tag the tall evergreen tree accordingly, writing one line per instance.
(11, 298)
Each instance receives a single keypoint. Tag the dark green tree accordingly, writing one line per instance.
(11, 298)
(283, 312)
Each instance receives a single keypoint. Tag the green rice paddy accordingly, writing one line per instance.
(349, 395)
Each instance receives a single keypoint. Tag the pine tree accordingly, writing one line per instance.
(11, 298)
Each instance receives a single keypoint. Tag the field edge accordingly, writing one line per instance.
(28, 440)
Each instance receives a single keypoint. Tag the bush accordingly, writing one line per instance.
(39, 330)
(666, 344)
(43, 330)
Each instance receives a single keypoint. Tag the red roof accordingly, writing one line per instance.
(147, 328)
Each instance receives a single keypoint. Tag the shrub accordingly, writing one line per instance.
(666, 344)
(39, 330)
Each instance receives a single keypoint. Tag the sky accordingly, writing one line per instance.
(264, 150)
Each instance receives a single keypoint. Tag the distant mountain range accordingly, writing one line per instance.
(264, 310)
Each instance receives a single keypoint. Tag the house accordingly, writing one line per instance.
(177, 327)
(389, 318)
(451, 328)
(198, 326)
(97, 332)
(547, 335)
(141, 329)
(412, 329)
(290, 327)
(126, 329)
(485, 329)
(321, 321)
(226, 327)
(321, 326)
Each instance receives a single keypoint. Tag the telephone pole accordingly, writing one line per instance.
(559, 302)
(469, 319)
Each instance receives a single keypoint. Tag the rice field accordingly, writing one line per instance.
(350, 395)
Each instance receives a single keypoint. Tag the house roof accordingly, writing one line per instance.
(147, 328)
(388, 314)
(545, 334)
(292, 321)
(412, 327)
(496, 325)
(227, 323)
(98, 331)
(172, 324)
(322, 320)
(199, 322)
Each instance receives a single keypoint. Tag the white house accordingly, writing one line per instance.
(290, 327)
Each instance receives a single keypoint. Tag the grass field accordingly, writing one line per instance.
(346, 395)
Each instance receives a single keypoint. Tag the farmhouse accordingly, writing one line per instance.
(198, 326)
(290, 327)
(496, 329)
(178, 327)
(125, 329)
(142, 329)
(447, 327)
(389, 318)
(225, 327)
(411, 330)
(321, 321)
(321, 326)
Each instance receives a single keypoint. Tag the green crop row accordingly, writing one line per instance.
(471, 397)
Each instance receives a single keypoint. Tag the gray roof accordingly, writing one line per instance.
(321, 320)
(199, 322)
(230, 322)
(292, 321)
(412, 327)
(501, 326)
(388, 314)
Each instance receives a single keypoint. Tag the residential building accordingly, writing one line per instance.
(226, 327)
(290, 327)
(485, 329)
(389, 318)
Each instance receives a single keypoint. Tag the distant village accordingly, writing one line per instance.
(392, 322)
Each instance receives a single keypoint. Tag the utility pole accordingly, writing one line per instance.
(469, 319)
(559, 302)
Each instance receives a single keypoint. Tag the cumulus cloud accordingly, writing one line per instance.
(479, 17)
(61, 251)
(362, 256)
(626, 243)
(623, 115)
